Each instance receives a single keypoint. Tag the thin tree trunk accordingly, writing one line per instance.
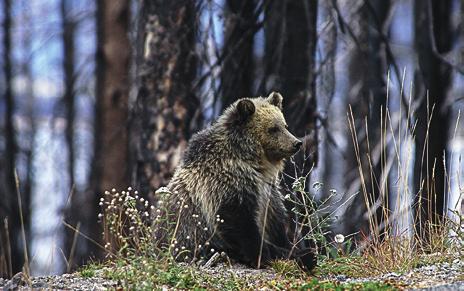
(109, 166)
(10, 206)
(432, 26)
(72, 213)
(113, 74)
(328, 38)
(27, 182)
(166, 111)
(237, 72)
(68, 65)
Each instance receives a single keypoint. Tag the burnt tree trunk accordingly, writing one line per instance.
(432, 26)
(237, 72)
(166, 111)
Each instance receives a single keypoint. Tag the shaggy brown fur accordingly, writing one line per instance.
(226, 191)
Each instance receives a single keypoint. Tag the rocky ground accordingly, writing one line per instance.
(444, 276)
(63, 282)
(432, 277)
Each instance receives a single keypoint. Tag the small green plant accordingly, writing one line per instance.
(137, 273)
(316, 284)
(89, 270)
(324, 285)
(312, 218)
(288, 269)
(350, 266)
(456, 226)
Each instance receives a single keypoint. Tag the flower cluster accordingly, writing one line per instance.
(130, 221)
(136, 225)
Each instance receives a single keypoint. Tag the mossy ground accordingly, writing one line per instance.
(146, 274)
(343, 273)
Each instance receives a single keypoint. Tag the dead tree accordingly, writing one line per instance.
(166, 110)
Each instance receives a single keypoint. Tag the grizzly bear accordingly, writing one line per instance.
(226, 193)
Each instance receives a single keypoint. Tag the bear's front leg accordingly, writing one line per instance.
(239, 233)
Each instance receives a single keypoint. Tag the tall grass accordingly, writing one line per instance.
(6, 259)
(392, 243)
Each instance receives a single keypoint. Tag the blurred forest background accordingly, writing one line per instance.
(105, 94)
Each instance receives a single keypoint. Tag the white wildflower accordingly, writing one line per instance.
(339, 238)
(162, 190)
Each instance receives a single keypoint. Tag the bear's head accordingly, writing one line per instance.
(264, 121)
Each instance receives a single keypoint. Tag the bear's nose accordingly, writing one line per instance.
(298, 145)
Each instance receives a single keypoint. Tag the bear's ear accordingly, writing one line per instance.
(275, 99)
(245, 109)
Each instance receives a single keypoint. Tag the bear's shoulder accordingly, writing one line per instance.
(203, 145)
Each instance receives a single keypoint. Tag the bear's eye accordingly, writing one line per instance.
(274, 129)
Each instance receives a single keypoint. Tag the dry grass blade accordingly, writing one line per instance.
(26, 270)
(262, 233)
(8, 247)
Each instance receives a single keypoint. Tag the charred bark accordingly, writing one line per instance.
(166, 110)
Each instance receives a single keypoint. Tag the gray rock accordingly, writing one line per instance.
(447, 287)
